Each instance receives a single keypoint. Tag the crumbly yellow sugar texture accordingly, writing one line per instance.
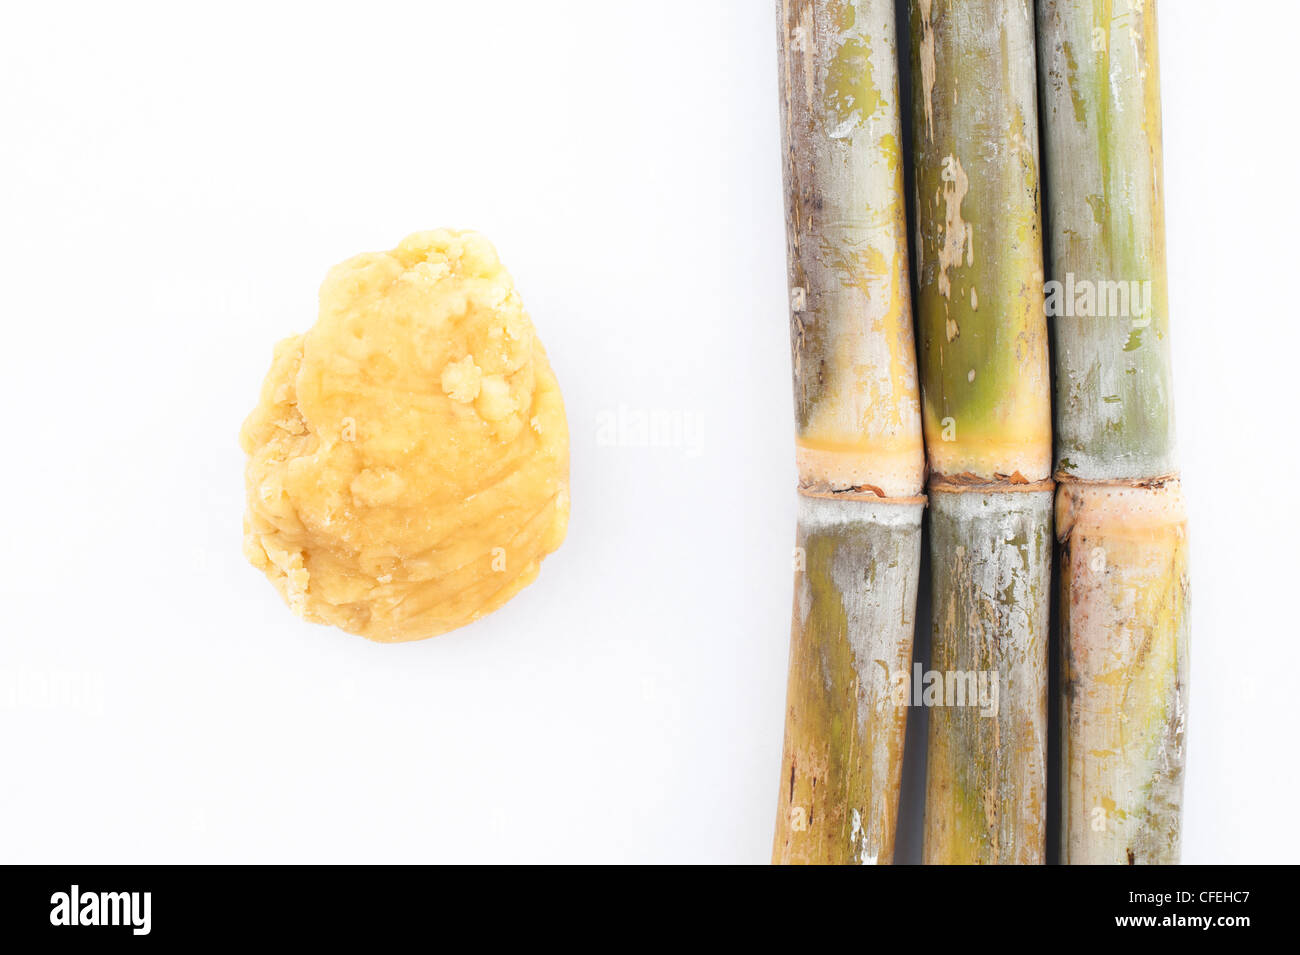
(408, 462)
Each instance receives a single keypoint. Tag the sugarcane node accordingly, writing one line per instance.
(1120, 507)
(1001, 483)
(1154, 483)
(869, 493)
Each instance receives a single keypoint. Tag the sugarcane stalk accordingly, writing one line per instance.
(987, 418)
(1120, 513)
(858, 433)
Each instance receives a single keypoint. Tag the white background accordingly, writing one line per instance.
(174, 184)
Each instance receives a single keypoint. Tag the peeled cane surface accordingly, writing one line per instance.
(1124, 586)
(850, 656)
(1108, 300)
(408, 461)
(983, 334)
(857, 403)
(986, 786)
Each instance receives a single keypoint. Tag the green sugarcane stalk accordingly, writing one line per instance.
(987, 417)
(858, 433)
(1120, 512)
